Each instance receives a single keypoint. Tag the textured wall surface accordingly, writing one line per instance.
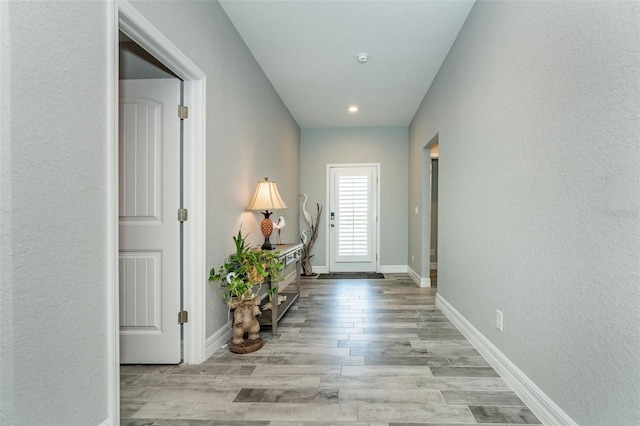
(250, 133)
(53, 368)
(385, 145)
(537, 108)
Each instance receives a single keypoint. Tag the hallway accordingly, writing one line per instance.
(349, 352)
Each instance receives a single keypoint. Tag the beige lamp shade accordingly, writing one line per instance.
(266, 197)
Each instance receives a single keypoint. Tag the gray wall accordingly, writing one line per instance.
(385, 145)
(537, 108)
(53, 291)
(250, 133)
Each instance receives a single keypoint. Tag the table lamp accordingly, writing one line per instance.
(266, 197)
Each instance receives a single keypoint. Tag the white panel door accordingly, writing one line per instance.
(352, 218)
(149, 230)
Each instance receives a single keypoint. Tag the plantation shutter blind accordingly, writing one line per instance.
(353, 215)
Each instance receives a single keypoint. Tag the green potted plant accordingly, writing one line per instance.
(242, 276)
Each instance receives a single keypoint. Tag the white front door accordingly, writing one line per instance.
(353, 218)
(149, 190)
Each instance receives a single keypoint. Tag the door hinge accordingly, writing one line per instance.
(183, 112)
(183, 317)
(183, 215)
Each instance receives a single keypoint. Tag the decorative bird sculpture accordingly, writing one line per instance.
(279, 226)
(305, 237)
(307, 215)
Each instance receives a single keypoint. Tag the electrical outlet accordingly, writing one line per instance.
(413, 258)
(499, 320)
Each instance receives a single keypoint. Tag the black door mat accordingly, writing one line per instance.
(352, 276)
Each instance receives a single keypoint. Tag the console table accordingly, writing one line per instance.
(290, 255)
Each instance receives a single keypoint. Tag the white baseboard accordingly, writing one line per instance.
(540, 404)
(393, 269)
(320, 269)
(106, 423)
(389, 269)
(421, 282)
(219, 339)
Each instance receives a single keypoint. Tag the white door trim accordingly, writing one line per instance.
(113, 222)
(327, 218)
(122, 16)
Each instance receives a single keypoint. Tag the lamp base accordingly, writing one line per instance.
(266, 226)
(267, 245)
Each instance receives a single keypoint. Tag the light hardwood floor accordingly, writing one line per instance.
(356, 352)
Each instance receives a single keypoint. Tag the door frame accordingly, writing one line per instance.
(122, 16)
(327, 218)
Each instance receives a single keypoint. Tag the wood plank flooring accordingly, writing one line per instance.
(350, 352)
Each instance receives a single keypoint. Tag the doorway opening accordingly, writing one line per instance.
(433, 251)
(127, 20)
(430, 171)
(150, 194)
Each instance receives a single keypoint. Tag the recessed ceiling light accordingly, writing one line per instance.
(353, 108)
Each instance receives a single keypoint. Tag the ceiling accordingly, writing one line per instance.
(308, 49)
